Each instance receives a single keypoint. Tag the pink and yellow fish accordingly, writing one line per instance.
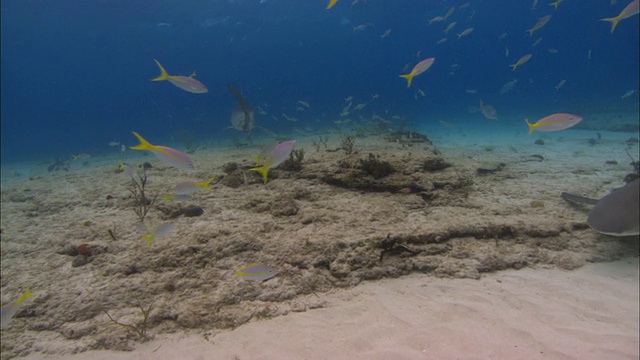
(186, 83)
(273, 157)
(164, 153)
(420, 67)
(554, 122)
(628, 11)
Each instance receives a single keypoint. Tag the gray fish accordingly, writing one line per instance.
(616, 214)
(242, 118)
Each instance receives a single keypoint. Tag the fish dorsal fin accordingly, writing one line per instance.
(193, 74)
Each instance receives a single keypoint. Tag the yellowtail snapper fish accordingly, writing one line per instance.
(554, 122)
(186, 83)
(10, 310)
(420, 67)
(164, 153)
(189, 187)
(155, 233)
(274, 157)
(256, 272)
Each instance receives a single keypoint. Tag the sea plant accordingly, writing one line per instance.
(141, 202)
(294, 162)
(347, 142)
(140, 328)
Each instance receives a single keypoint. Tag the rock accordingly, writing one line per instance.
(70, 250)
(193, 210)
(79, 260)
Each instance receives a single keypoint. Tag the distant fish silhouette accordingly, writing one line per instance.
(242, 118)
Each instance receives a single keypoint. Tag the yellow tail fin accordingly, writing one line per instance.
(163, 73)
(614, 22)
(409, 78)
(144, 144)
(262, 170)
(531, 126)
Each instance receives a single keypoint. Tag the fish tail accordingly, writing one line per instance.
(147, 238)
(205, 185)
(163, 73)
(144, 144)
(262, 170)
(409, 78)
(531, 126)
(514, 66)
(530, 31)
(614, 22)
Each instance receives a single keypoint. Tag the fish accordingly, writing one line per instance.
(628, 94)
(10, 310)
(385, 34)
(559, 85)
(554, 122)
(556, 3)
(449, 27)
(348, 99)
(164, 153)
(289, 118)
(534, 5)
(331, 3)
(552, 51)
(541, 22)
(82, 156)
(441, 41)
(360, 106)
(186, 83)
(189, 187)
(114, 143)
(242, 117)
(436, 19)
(488, 111)
(615, 214)
(155, 233)
(449, 12)
(521, 61)
(535, 43)
(274, 157)
(506, 51)
(628, 11)
(508, 86)
(465, 33)
(420, 67)
(256, 272)
(471, 91)
(177, 197)
(303, 103)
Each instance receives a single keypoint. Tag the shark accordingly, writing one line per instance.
(242, 117)
(616, 214)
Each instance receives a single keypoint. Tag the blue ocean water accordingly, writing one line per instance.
(75, 74)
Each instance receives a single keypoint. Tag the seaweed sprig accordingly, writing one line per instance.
(142, 203)
(140, 327)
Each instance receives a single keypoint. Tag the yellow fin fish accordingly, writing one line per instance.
(10, 310)
(186, 83)
(164, 153)
(628, 11)
(420, 67)
(331, 3)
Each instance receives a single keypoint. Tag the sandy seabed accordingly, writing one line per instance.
(477, 259)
